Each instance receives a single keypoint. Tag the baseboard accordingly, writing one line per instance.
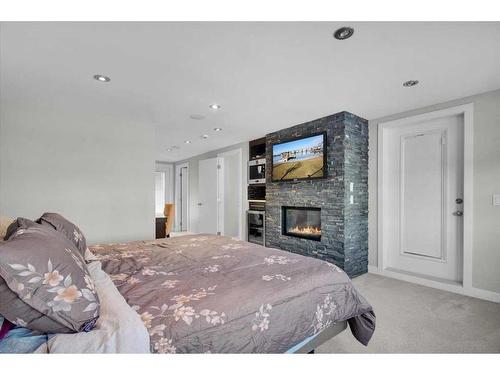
(449, 287)
(374, 270)
(487, 295)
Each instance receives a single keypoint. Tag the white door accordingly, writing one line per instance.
(230, 193)
(207, 196)
(423, 198)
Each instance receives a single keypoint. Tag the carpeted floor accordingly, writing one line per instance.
(416, 319)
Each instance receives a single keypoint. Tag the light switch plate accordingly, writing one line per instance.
(496, 199)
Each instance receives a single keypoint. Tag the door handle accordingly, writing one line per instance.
(458, 213)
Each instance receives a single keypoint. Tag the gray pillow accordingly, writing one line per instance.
(46, 272)
(19, 223)
(66, 228)
(13, 308)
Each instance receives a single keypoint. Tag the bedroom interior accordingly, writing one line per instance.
(272, 187)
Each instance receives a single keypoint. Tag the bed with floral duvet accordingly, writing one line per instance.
(211, 294)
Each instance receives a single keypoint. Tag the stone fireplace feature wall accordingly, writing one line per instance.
(344, 226)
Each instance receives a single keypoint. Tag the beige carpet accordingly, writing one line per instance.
(416, 319)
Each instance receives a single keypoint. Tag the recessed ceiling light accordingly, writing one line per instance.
(343, 33)
(187, 142)
(204, 136)
(214, 106)
(196, 117)
(410, 83)
(217, 129)
(169, 149)
(101, 78)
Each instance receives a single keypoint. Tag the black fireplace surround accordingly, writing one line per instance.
(302, 222)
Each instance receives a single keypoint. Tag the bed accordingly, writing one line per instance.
(212, 294)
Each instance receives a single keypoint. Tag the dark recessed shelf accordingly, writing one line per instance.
(257, 148)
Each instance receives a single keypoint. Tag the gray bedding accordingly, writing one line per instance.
(207, 293)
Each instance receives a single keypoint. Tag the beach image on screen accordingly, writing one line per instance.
(298, 159)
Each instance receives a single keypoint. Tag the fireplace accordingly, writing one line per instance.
(302, 222)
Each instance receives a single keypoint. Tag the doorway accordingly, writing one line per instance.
(220, 195)
(208, 196)
(425, 196)
(164, 186)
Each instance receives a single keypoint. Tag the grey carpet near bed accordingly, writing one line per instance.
(416, 319)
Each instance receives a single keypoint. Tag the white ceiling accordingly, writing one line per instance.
(266, 76)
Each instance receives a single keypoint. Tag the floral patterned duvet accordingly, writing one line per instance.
(211, 294)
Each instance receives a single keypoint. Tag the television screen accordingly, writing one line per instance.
(299, 159)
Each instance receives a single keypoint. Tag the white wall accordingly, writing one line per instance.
(94, 168)
(486, 246)
(193, 183)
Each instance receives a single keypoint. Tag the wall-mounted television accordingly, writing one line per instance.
(301, 158)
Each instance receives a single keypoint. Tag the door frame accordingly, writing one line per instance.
(178, 168)
(465, 287)
(220, 195)
(239, 153)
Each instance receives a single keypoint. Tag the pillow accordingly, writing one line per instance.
(4, 224)
(66, 228)
(46, 272)
(17, 224)
(12, 307)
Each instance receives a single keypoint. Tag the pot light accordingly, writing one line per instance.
(169, 149)
(343, 33)
(204, 136)
(187, 142)
(214, 106)
(217, 129)
(410, 83)
(101, 78)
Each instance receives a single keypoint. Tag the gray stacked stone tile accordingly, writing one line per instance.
(344, 226)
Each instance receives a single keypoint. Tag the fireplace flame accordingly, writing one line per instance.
(310, 230)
